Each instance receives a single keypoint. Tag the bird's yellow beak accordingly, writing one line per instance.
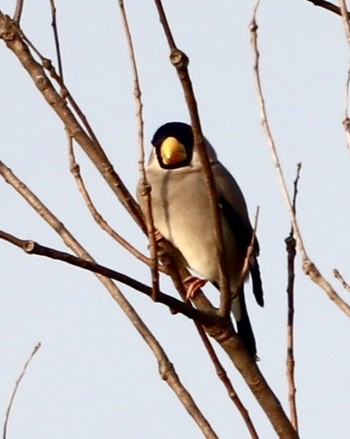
(172, 151)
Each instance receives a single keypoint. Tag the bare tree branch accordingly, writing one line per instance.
(75, 170)
(290, 362)
(12, 36)
(18, 12)
(327, 5)
(56, 38)
(165, 367)
(227, 338)
(229, 341)
(345, 18)
(180, 61)
(309, 267)
(15, 389)
(344, 284)
(145, 185)
(175, 305)
(221, 372)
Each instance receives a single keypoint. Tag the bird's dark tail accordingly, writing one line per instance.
(256, 280)
(244, 328)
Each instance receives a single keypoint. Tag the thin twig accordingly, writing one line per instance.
(75, 170)
(12, 36)
(146, 190)
(345, 17)
(180, 61)
(328, 6)
(165, 367)
(346, 122)
(15, 389)
(344, 284)
(222, 374)
(227, 338)
(290, 361)
(56, 38)
(309, 267)
(18, 11)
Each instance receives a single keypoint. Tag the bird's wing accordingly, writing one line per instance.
(234, 210)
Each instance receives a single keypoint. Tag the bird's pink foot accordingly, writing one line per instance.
(195, 284)
(158, 236)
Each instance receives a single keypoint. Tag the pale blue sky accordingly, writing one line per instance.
(94, 377)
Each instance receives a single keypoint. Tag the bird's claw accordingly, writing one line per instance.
(158, 236)
(195, 284)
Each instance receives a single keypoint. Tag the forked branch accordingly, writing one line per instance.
(309, 267)
(166, 368)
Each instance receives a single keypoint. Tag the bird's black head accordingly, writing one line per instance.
(173, 142)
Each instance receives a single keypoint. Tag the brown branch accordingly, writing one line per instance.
(222, 374)
(232, 345)
(56, 38)
(75, 170)
(290, 361)
(175, 305)
(308, 266)
(18, 11)
(146, 192)
(344, 284)
(180, 61)
(165, 367)
(12, 36)
(15, 389)
(346, 122)
(171, 266)
(345, 17)
(227, 338)
(328, 6)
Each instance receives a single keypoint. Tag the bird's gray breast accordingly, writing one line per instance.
(182, 214)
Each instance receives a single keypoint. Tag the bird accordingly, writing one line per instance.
(182, 215)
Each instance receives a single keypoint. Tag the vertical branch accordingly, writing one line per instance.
(146, 189)
(290, 362)
(346, 122)
(18, 11)
(180, 61)
(309, 267)
(56, 38)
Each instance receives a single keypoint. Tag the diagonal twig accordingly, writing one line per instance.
(13, 38)
(56, 38)
(15, 389)
(344, 284)
(75, 170)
